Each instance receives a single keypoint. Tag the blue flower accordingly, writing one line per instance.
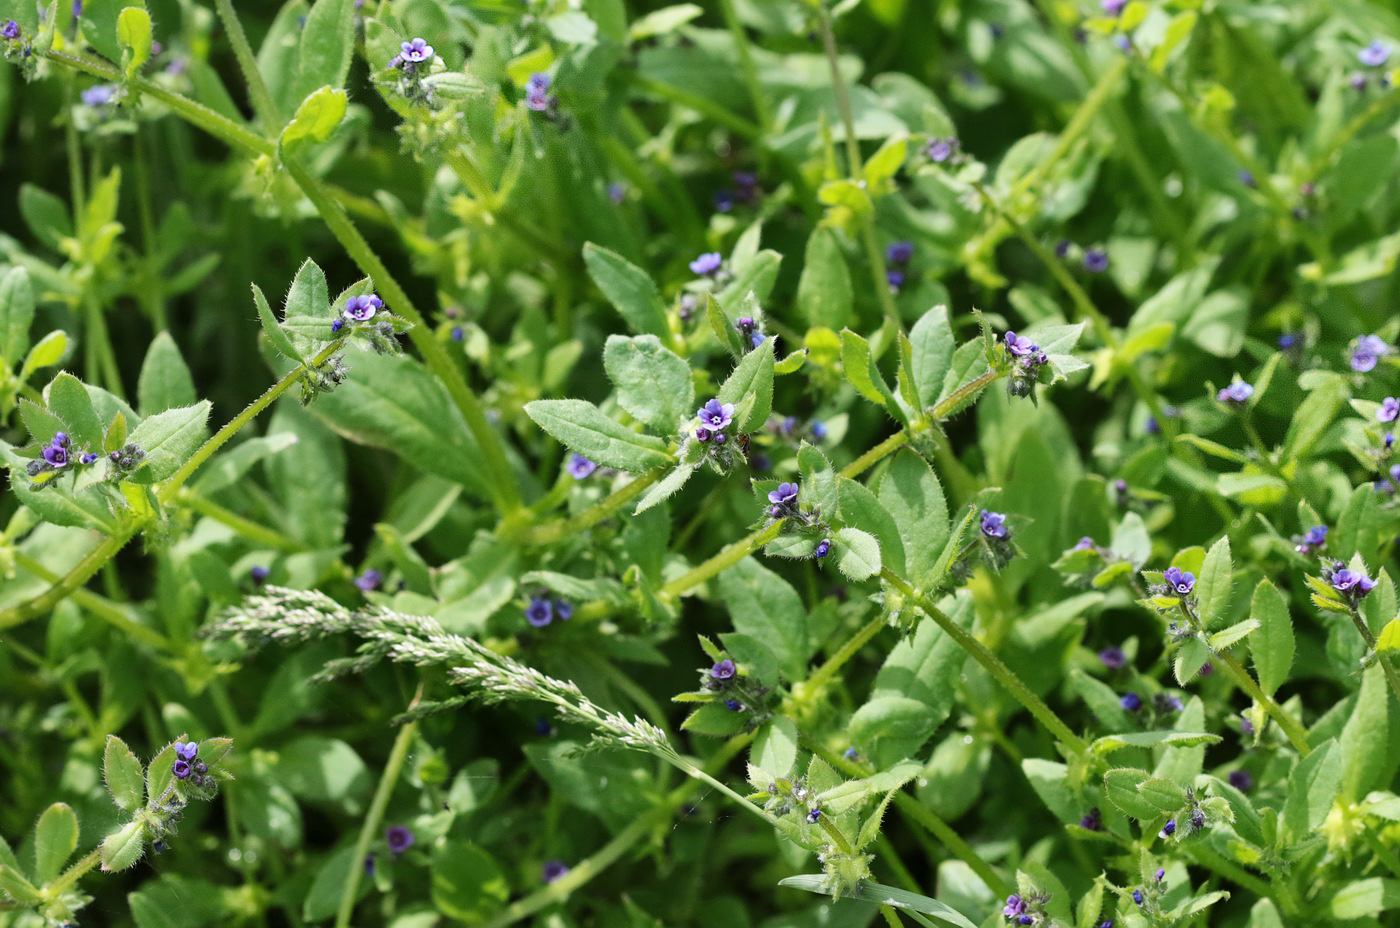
(1374, 55)
(707, 264)
(553, 870)
(823, 548)
(362, 308)
(1131, 701)
(1390, 409)
(617, 193)
(724, 670)
(899, 253)
(399, 838)
(259, 575)
(1084, 544)
(1353, 583)
(1315, 537)
(783, 498)
(369, 580)
(941, 150)
(181, 769)
(563, 609)
(416, 51)
(1096, 260)
(1241, 780)
(1112, 7)
(1019, 345)
(715, 415)
(813, 816)
(1092, 820)
(1113, 657)
(98, 96)
(733, 705)
(1168, 830)
(1289, 340)
(536, 97)
(336, 326)
(1180, 581)
(540, 612)
(818, 430)
(1238, 393)
(894, 278)
(580, 467)
(55, 454)
(994, 524)
(1247, 178)
(1137, 896)
(1368, 352)
(10, 30)
(186, 750)
(1014, 907)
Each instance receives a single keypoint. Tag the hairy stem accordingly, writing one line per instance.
(1291, 727)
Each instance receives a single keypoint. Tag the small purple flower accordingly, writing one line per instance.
(580, 467)
(553, 870)
(563, 609)
(1108, 923)
(186, 750)
(1353, 583)
(536, 97)
(1164, 703)
(1207, 669)
(1315, 537)
(1084, 544)
(1180, 581)
(1019, 345)
(10, 30)
(1161, 874)
(259, 575)
(994, 524)
(941, 150)
(1062, 247)
(363, 308)
(813, 816)
(369, 863)
(1137, 896)
(399, 838)
(540, 612)
(1390, 409)
(1096, 260)
(1238, 393)
(1015, 906)
(1131, 701)
(416, 52)
(1113, 657)
(1247, 178)
(1374, 55)
(724, 201)
(823, 548)
(617, 193)
(784, 495)
(1241, 780)
(181, 769)
(457, 333)
(1167, 831)
(702, 434)
(97, 96)
(1112, 7)
(1289, 340)
(899, 253)
(818, 430)
(1092, 820)
(369, 580)
(851, 753)
(733, 705)
(1198, 819)
(724, 670)
(715, 415)
(707, 264)
(895, 279)
(1367, 353)
(336, 326)
(56, 455)
(1358, 82)
(1246, 725)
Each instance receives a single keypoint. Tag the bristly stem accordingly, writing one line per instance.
(993, 664)
(1291, 727)
(263, 104)
(375, 816)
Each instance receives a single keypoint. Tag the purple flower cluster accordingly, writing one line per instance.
(1367, 352)
(1390, 409)
(10, 30)
(1113, 657)
(745, 191)
(399, 838)
(543, 610)
(412, 54)
(942, 149)
(898, 255)
(1029, 359)
(1179, 582)
(1353, 584)
(1237, 393)
(580, 467)
(1096, 260)
(748, 329)
(187, 765)
(714, 418)
(58, 454)
(369, 581)
(708, 264)
(553, 870)
(784, 500)
(1313, 538)
(537, 96)
(1374, 55)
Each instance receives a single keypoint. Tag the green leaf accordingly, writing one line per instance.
(775, 747)
(468, 884)
(55, 840)
(629, 289)
(1213, 587)
(824, 292)
(165, 380)
(653, 383)
(123, 848)
(891, 728)
(765, 606)
(1164, 794)
(817, 481)
(753, 376)
(932, 345)
(47, 217)
(860, 508)
(1121, 787)
(861, 373)
(724, 329)
(1228, 636)
(879, 894)
(327, 45)
(323, 897)
(1188, 660)
(1387, 640)
(134, 36)
(716, 720)
(857, 553)
(16, 315)
(13, 883)
(125, 778)
(1365, 898)
(323, 770)
(665, 488)
(160, 773)
(1150, 739)
(912, 495)
(1312, 786)
(169, 439)
(317, 116)
(48, 352)
(69, 399)
(279, 338)
(582, 427)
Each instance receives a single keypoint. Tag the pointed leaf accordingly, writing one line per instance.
(583, 428)
(55, 840)
(629, 289)
(126, 780)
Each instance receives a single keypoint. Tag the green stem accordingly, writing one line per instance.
(263, 104)
(722, 561)
(1290, 726)
(825, 672)
(1384, 854)
(397, 754)
(757, 94)
(993, 664)
(74, 873)
(103, 608)
(563, 528)
(702, 105)
(1390, 675)
(876, 454)
(245, 527)
(505, 488)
